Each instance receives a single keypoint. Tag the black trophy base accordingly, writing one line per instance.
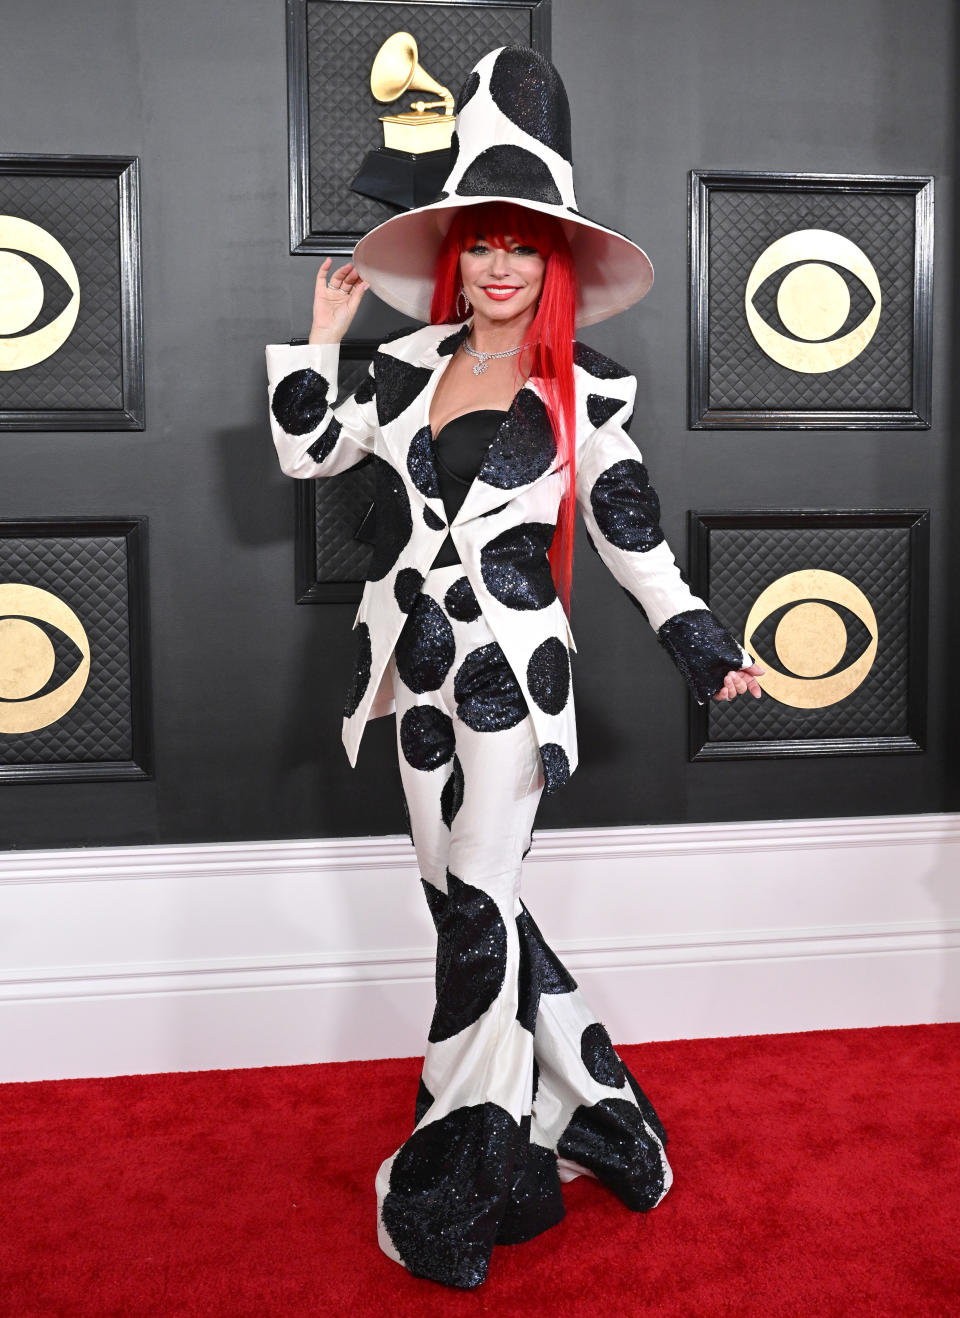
(401, 178)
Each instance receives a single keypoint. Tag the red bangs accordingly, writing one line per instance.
(496, 220)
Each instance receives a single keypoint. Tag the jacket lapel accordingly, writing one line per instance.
(408, 438)
(483, 495)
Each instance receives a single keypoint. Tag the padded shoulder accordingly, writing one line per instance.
(596, 364)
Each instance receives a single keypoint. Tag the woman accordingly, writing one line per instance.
(485, 427)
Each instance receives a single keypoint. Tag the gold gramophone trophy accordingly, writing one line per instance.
(410, 168)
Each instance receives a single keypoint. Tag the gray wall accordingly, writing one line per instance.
(248, 687)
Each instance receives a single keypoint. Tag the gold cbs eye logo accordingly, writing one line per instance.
(811, 637)
(28, 658)
(813, 300)
(23, 292)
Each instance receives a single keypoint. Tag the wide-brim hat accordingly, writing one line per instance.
(511, 142)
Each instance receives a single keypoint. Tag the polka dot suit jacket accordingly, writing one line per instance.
(504, 527)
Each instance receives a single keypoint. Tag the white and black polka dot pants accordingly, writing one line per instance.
(521, 1088)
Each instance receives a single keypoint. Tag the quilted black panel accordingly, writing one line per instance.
(83, 214)
(741, 225)
(877, 559)
(342, 41)
(90, 574)
(340, 503)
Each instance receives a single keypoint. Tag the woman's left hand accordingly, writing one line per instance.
(744, 679)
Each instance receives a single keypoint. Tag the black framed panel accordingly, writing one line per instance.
(334, 116)
(833, 604)
(333, 542)
(73, 650)
(71, 327)
(810, 301)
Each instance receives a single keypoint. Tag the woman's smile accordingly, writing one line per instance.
(492, 275)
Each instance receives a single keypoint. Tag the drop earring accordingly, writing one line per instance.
(467, 308)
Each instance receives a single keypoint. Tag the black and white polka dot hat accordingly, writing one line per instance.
(511, 142)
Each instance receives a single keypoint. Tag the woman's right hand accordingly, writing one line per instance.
(335, 304)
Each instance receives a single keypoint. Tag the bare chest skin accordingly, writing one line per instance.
(459, 390)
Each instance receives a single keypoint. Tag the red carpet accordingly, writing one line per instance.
(817, 1174)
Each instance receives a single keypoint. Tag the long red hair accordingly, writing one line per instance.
(548, 343)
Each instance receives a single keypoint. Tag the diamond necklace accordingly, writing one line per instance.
(481, 365)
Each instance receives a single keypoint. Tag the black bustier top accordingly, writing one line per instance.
(459, 449)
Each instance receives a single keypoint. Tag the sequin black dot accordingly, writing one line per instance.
(487, 693)
(366, 390)
(452, 342)
(323, 446)
(512, 170)
(451, 798)
(599, 1057)
(547, 973)
(460, 601)
(434, 522)
(361, 674)
(548, 675)
(406, 588)
(611, 1140)
(702, 649)
(524, 446)
(394, 522)
(398, 384)
(492, 512)
(556, 767)
(470, 85)
(526, 87)
(604, 368)
(447, 1186)
(600, 408)
(426, 737)
(515, 568)
(471, 958)
(536, 1197)
(626, 506)
(299, 401)
(425, 648)
(420, 464)
(436, 900)
(528, 990)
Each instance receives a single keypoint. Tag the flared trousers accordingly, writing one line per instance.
(521, 1088)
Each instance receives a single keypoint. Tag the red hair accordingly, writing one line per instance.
(548, 341)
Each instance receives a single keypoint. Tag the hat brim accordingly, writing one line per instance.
(398, 258)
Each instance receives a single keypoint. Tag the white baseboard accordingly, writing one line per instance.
(142, 959)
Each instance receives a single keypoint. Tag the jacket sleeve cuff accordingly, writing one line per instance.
(283, 358)
(703, 650)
